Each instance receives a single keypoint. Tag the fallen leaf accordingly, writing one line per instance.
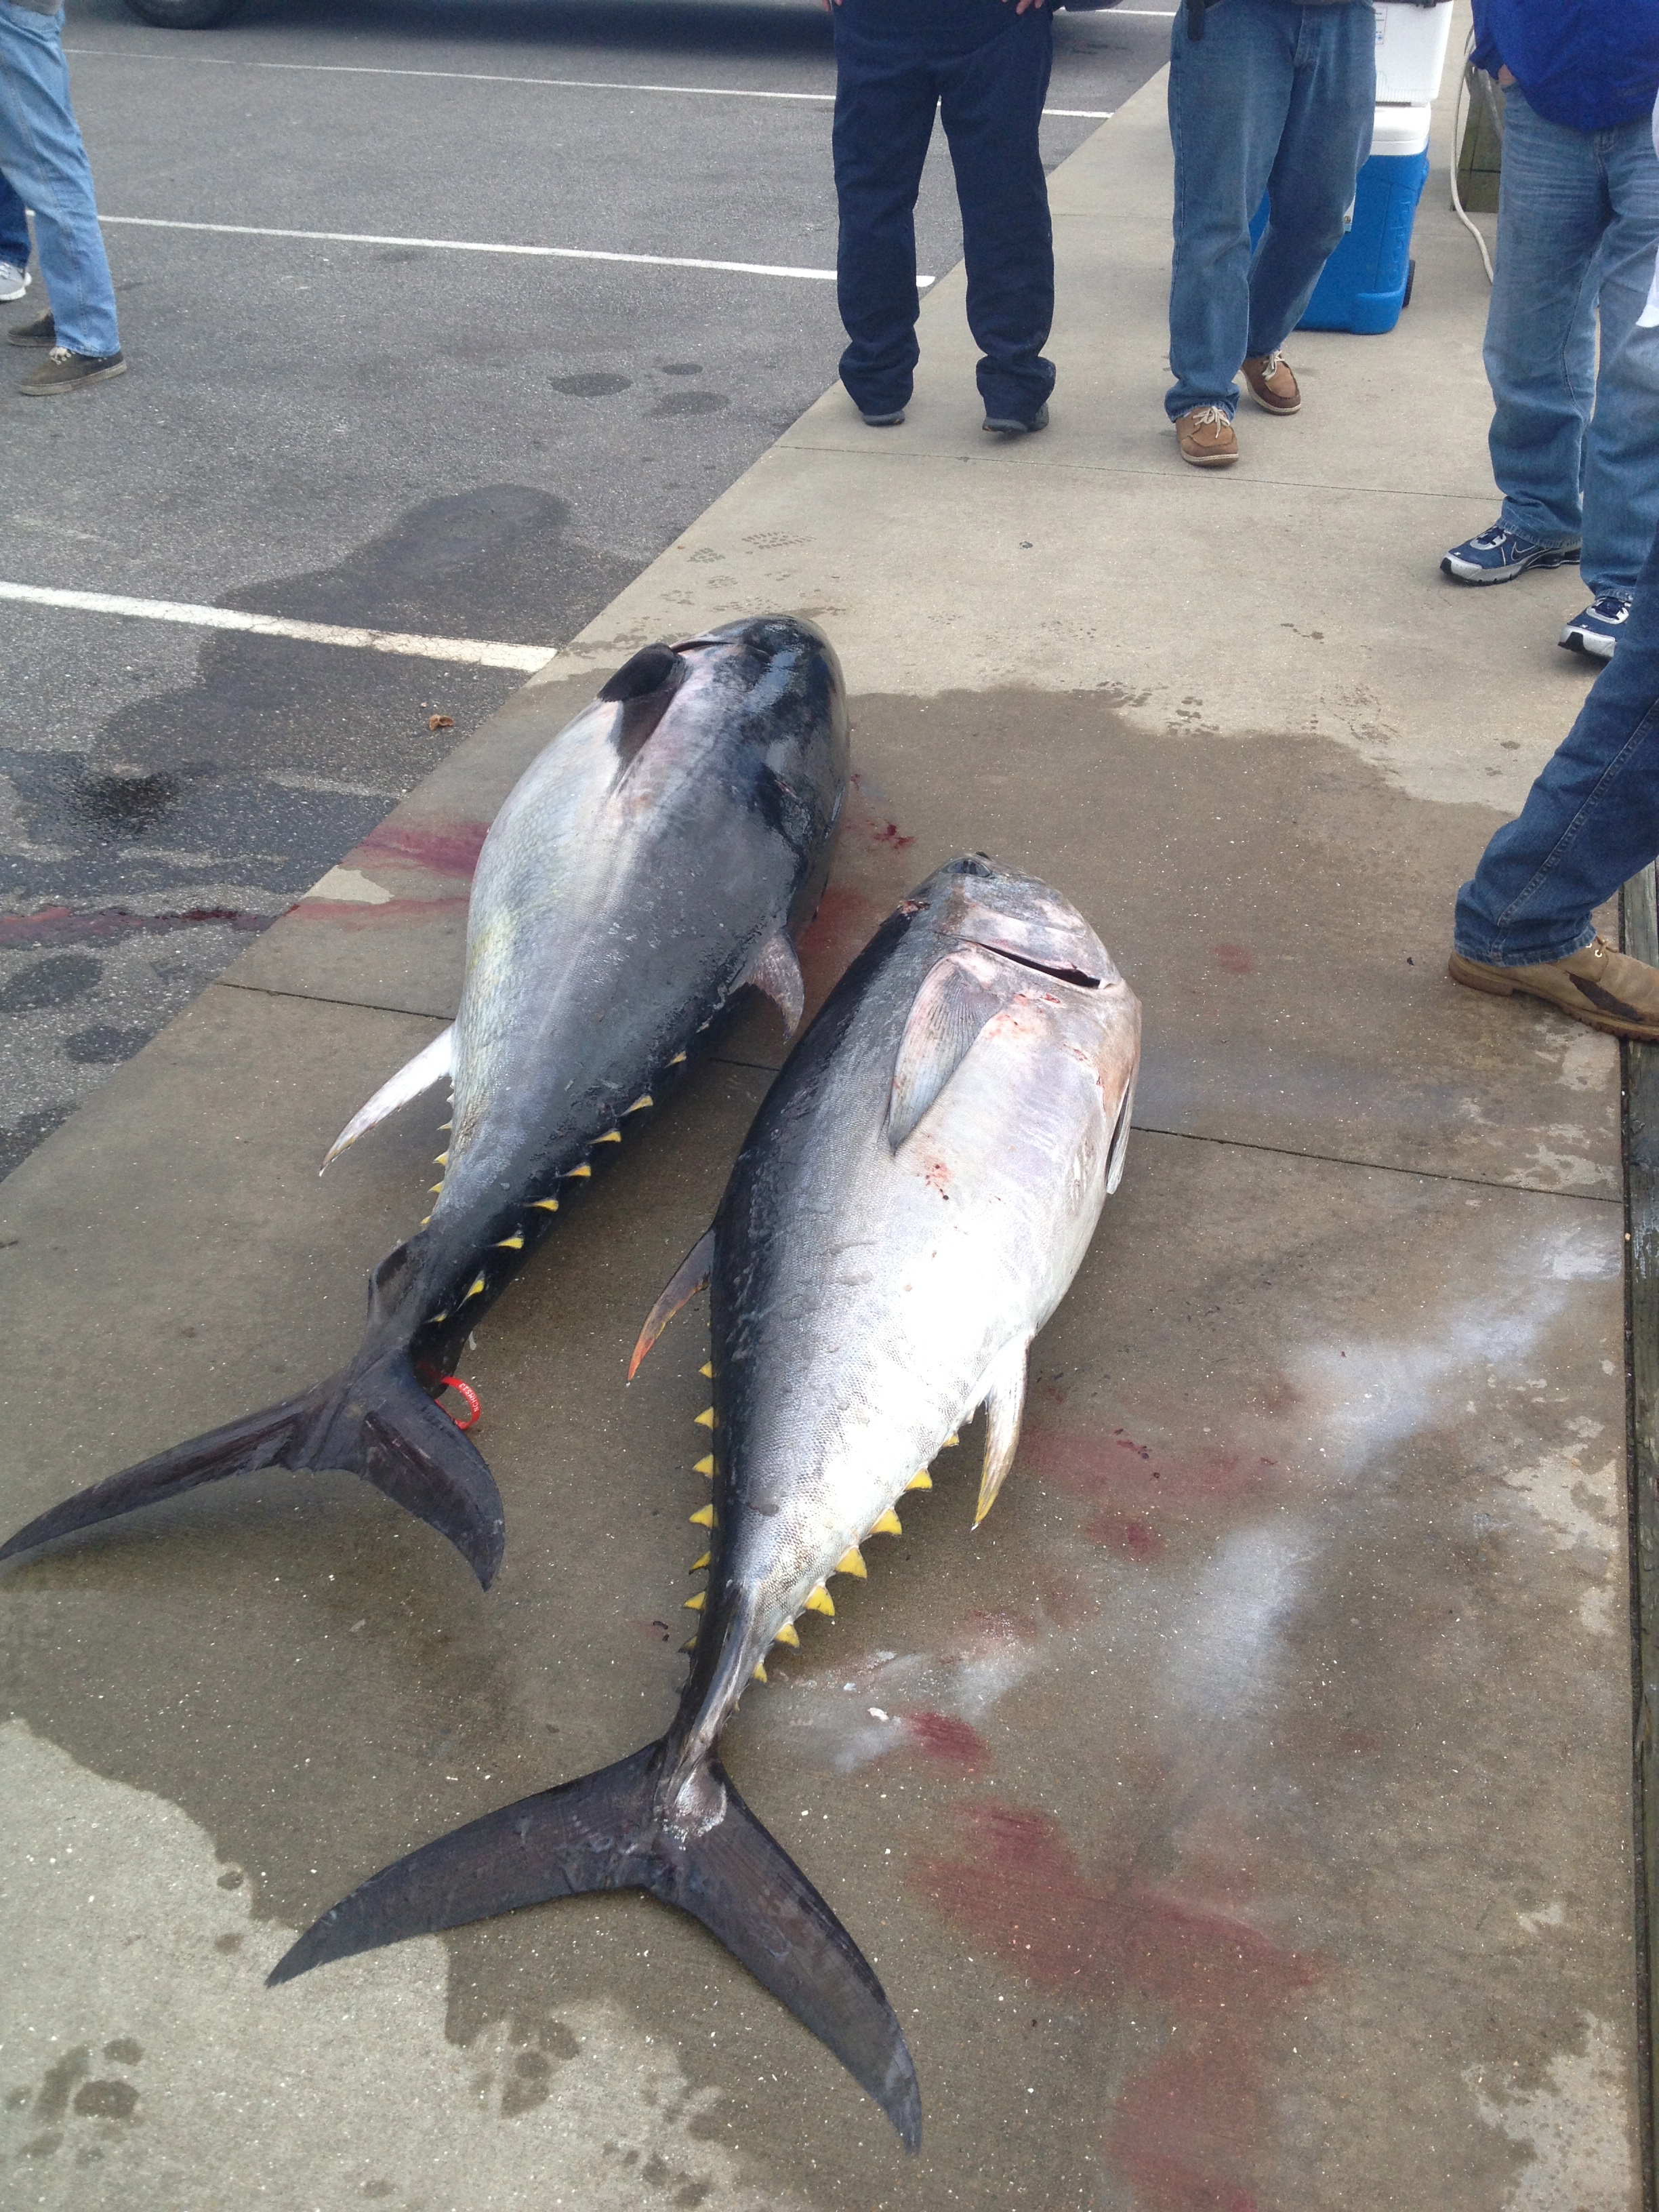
(441, 721)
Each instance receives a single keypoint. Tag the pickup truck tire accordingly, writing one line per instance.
(184, 15)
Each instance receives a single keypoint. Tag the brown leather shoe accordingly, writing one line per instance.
(1206, 438)
(1271, 384)
(1607, 989)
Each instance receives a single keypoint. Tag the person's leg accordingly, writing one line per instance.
(1327, 135)
(1541, 326)
(1621, 453)
(1590, 822)
(15, 244)
(1229, 92)
(990, 105)
(885, 95)
(42, 156)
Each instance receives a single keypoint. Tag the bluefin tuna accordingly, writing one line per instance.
(660, 854)
(914, 1197)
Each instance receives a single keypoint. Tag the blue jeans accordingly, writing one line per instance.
(42, 159)
(1576, 454)
(986, 70)
(14, 228)
(1591, 821)
(1278, 98)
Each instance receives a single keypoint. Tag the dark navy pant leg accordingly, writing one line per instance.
(885, 95)
(990, 105)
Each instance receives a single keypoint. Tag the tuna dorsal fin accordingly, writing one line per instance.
(776, 971)
(429, 1066)
(952, 1006)
(1004, 1388)
(689, 1279)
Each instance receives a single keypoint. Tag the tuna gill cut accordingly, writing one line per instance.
(915, 1196)
(662, 851)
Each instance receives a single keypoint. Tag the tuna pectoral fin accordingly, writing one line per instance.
(1004, 1390)
(689, 1277)
(376, 1421)
(776, 971)
(604, 1833)
(429, 1066)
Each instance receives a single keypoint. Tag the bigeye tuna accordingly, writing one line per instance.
(914, 1197)
(658, 854)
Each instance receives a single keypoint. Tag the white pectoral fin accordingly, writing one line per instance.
(777, 972)
(1120, 1141)
(428, 1066)
(1005, 1401)
(948, 1012)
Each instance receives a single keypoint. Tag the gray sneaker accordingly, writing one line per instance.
(64, 371)
(14, 281)
(41, 332)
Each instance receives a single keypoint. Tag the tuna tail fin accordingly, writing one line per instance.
(605, 1830)
(373, 1418)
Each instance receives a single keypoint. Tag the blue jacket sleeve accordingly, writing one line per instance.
(1486, 56)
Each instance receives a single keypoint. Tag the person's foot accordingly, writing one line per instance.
(888, 421)
(1596, 631)
(64, 371)
(1017, 426)
(1607, 989)
(1271, 383)
(14, 281)
(1206, 438)
(1498, 554)
(42, 332)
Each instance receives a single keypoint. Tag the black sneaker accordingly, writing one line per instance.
(64, 371)
(1014, 426)
(42, 331)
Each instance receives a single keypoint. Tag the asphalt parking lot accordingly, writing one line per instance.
(373, 430)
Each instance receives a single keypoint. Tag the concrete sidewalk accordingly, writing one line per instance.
(1240, 1819)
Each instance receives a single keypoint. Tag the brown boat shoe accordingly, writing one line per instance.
(1271, 383)
(1607, 989)
(1206, 438)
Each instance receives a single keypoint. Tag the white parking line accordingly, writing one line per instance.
(478, 652)
(477, 245)
(553, 84)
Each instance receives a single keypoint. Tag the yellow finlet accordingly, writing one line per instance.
(513, 1243)
(434, 1319)
(787, 1635)
(703, 1517)
(760, 1671)
(706, 1419)
(919, 1480)
(953, 1438)
(644, 1100)
(434, 1189)
(545, 1204)
(705, 1466)
(444, 1127)
(610, 1137)
(676, 1060)
(478, 1285)
(694, 1604)
(689, 1644)
(441, 1160)
(819, 1600)
(852, 1563)
(707, 1371)
(697, 1565)
(888, 1525)
(584, 1169)
(425, 1219)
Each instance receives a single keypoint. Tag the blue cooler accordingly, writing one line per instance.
(1368, 280)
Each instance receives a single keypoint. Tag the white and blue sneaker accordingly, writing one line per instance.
(14, 281)
(1597, 630)
(1498, 554)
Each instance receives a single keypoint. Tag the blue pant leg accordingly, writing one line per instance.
(885, 95)
(1540, 326)
(1591, 821)
(1621, 446)
(1230, 94)
(1327, 135)
(991, 106)
(42, 157)
(15, 244)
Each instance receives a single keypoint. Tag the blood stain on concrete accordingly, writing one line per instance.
(1145, 1495)
(947, 1741)
(442, 849)
(1233, 959)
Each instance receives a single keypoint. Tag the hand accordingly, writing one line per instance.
(1505, 77)
(1020, 6)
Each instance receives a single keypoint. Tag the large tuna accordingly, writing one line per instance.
(657, 856)
(915, 1196)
